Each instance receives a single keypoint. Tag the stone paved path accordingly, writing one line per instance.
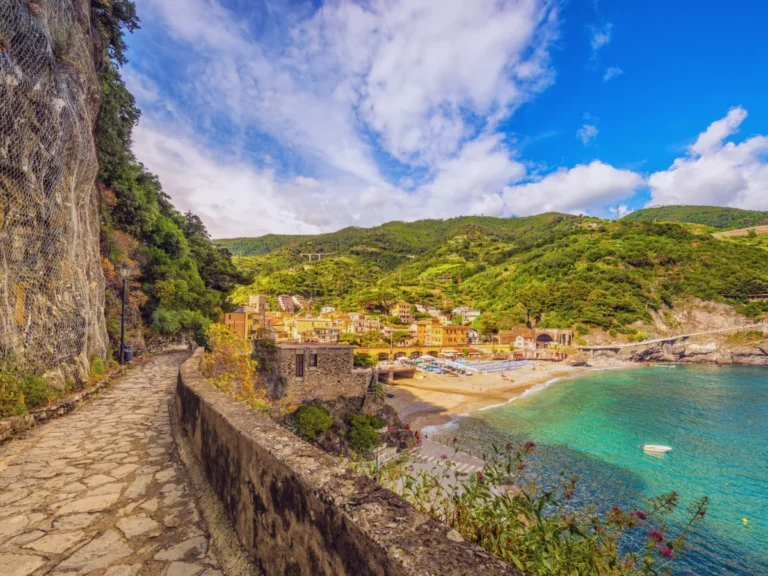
(102, 491)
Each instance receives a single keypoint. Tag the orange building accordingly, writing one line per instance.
(245, 321)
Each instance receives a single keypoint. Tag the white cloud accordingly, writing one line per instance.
(620, 210)
(600, 36)
(612, 72)
(421, 80)
(587, 133)
(716, 172)
(579, 189)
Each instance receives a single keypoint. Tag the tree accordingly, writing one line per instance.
(400, 336)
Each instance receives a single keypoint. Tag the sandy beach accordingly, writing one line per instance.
(435, 399)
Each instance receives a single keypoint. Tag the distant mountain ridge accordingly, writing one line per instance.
(714, 216)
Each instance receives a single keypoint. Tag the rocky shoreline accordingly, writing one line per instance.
(715, 351)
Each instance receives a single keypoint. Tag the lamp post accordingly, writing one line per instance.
(124, 271)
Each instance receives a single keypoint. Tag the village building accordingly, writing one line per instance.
(320, 372)
(322, 335)
(297, 326)
(327, 310)
(473, 336)
(286, 304)
(542, 337)
(362, 326)
(246, 322)
(258, 302)
(420, 308)
(432, 333)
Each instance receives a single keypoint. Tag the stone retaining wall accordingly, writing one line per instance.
(299, 512)
(15, 425)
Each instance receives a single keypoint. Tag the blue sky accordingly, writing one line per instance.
(302, 117)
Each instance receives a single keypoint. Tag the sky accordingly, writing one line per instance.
(300, 117)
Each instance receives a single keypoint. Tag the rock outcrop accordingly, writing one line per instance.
(51, 284)
(714, 351)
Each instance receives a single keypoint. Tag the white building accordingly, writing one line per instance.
(327, 309)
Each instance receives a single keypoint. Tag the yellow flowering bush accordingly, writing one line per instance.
(230, 367)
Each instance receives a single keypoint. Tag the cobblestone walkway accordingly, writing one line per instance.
(102, 491)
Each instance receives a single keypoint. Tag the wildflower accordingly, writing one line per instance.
(480, 477)
(408, 427)
(455, 439)
(640, 514)
(410, 469)
(666, 552)
(656, 536)
(443, 457)
(528, 446)
(389, 428)
(522, 466)
(569, 494)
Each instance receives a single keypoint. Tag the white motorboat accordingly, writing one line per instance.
(655, 448)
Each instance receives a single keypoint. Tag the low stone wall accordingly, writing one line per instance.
(299, 512)
(15, 425)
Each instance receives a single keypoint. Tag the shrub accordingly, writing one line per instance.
(311, 421)
(362, 436)
(541, 531)
(11, 396)
(37, 392)
(97, 367)
(363, 360)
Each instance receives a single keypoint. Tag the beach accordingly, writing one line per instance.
(437, 399)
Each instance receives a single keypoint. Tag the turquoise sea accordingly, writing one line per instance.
(716, 420)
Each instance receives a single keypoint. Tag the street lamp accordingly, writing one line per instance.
(124, 271)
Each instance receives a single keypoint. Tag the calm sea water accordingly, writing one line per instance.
(716, 420)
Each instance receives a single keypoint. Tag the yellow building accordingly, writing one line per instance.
(432, 333)
(399, 308)
(298, 326)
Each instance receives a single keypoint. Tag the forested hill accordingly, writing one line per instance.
(396, 240)
(714, 216)
(553, 269)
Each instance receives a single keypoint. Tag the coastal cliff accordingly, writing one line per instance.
(52, 288)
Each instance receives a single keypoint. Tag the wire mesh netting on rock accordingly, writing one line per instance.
(51, 284)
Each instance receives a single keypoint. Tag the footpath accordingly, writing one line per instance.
(102, 490)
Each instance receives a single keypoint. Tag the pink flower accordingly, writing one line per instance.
(389, 428)
(656, 536)
(480, 477)
(640, 514)
(443, 457)
(666, 552)
(410, 469)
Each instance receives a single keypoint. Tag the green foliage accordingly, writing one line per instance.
(97, 367)
(20, 392)
(362, 436)
(185, 278)
(311, 421)
(363, 360)
(37, 392)
(11, 395)
(540, 531)
(110, 18)
(714, 216)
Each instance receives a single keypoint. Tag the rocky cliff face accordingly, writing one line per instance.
(51, 284)
(710, 351)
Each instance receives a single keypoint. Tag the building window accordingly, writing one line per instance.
(313, 359)
(299, 365)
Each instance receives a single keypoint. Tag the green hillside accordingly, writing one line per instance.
(714, 216)
(394, 241)
(552, 269)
